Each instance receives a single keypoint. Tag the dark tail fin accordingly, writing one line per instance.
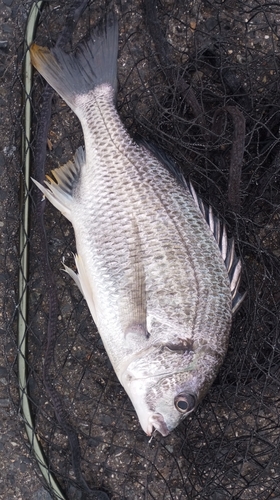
(93, 63)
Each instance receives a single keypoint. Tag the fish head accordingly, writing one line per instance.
(159, 406)
(166, 386)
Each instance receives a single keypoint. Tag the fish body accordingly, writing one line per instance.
(154, 272)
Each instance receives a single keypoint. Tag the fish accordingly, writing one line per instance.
(154, 263)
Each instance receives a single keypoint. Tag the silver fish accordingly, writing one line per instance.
(154, 264)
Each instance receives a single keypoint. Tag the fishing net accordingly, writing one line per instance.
(200, 80)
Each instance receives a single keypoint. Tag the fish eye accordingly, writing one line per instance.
(185, 403)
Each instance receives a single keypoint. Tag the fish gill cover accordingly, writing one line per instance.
(201, 81)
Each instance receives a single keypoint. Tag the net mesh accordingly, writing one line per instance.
(201, 80)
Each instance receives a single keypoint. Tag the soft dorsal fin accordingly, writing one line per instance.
(61, 191)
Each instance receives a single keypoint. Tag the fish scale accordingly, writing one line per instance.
(148, 263)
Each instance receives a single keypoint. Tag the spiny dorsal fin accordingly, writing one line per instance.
(232, 263)
(60, 192)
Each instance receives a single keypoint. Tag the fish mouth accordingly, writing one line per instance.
(157, 422)
(149, 420)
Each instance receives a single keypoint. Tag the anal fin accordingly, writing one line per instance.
(60, 192)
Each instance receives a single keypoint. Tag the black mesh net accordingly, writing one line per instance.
(201, 80)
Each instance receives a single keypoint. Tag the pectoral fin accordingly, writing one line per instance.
(133, 304)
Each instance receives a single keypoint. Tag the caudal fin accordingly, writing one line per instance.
(93, 63)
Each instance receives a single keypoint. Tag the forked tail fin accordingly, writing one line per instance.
(93, 63)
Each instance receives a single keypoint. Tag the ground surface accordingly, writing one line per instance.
(18, 479)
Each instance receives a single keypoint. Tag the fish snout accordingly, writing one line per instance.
(157, 422)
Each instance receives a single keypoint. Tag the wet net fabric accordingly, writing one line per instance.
(201, 81)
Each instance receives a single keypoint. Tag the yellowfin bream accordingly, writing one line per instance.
(154, 264)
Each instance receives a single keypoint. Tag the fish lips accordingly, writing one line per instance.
(157, 422)
(149, 419)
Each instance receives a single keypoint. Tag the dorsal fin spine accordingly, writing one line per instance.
(226, 246)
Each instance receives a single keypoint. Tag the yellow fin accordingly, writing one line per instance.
(61, 192)
(39, 56)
